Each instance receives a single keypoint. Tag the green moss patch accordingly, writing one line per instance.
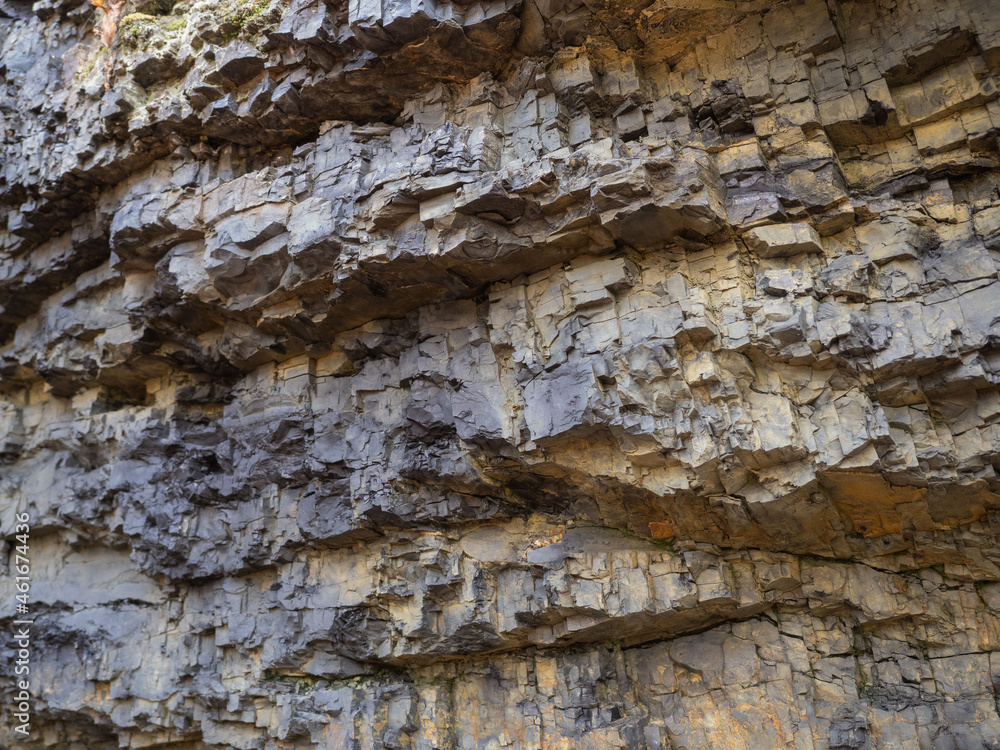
(246, 16)
(137, 30)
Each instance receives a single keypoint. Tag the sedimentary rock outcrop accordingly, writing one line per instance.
(439, 375)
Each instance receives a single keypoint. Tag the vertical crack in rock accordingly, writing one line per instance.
(500, 374)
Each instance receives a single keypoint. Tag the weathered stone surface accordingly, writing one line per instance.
(503, 374)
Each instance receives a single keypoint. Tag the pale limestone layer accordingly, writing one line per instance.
(504, 376)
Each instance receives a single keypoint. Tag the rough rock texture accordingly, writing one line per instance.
(503, 374)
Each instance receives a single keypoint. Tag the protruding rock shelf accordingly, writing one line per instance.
(502, 375)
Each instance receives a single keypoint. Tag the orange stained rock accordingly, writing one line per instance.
(661, 530)
(876, 508)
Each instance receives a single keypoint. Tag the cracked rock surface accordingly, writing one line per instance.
(503, 374)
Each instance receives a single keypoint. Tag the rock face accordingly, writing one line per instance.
(503, 374)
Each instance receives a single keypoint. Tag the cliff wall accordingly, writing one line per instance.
(502, 375)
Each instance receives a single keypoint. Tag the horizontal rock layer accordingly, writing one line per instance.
(503, 374)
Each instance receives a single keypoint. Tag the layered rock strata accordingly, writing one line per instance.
(503, 375)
